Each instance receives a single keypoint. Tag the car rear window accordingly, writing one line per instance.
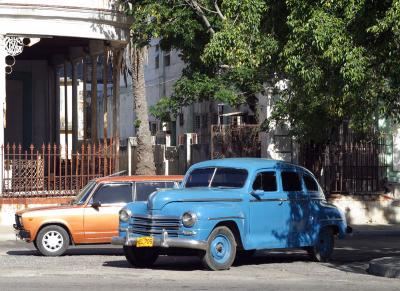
(310, 183)
(144, 189)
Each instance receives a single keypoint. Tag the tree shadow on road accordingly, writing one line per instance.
(169, 263)
(73, 252)
(193, 263)
(355, 258)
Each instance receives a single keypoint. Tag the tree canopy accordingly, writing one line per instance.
(340, 58)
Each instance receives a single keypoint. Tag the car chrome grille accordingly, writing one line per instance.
(154, 225)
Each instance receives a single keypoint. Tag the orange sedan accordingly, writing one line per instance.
(91, 218)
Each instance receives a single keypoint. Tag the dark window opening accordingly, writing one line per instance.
(291, 181)
(310, 183)
(114, 193)
(167, 59)
(265, 181)
(181, 119)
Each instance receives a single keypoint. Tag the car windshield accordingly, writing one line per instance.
(82, 196)
(217, 178)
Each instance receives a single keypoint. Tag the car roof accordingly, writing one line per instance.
(139, 178)
(247, 163)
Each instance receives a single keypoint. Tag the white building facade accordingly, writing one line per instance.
(59, 61)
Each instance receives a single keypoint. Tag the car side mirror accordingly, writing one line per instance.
(257, 193)
(96, 204)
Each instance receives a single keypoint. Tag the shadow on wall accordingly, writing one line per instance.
(369, 209)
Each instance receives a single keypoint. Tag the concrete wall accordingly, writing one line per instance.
(369, 209)
(8, 206)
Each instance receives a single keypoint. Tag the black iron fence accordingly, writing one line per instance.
(348, 168)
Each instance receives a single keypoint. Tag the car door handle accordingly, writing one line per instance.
(280, 202)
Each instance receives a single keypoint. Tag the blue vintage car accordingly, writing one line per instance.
(232, 207)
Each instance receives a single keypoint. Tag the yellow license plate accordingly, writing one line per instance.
(144, 242)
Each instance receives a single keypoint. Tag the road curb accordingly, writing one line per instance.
(376, 232)
(385, 267)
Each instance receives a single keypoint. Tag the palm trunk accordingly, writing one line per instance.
(144, 149)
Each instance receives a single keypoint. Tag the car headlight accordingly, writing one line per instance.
(189, 219)
(125, 214)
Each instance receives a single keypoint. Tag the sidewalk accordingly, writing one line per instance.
(6, 232)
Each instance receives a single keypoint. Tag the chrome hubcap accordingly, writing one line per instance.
(52, 241)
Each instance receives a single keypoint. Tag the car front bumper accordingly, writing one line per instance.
(164, 242)
(22, 233)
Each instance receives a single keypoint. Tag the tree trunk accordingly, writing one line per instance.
(145, 157)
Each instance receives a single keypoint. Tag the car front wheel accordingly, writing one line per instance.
(140, 257)
(323, 248)
(221, 249)
(52, 241)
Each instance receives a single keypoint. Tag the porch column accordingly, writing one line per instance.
(93, 103)
(74, 106)
(66, 121)
(84, 99)
(105, 93)
(117, 60)
(3, 55)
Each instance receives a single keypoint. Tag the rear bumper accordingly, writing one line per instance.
(164, 242)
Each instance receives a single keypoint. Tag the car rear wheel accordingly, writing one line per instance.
(140, 257)
(221, 249)
(52, 241)
(323, 248)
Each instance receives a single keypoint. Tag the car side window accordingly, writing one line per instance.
(265, 181)
(291, 181)
(113, 193)
(310, 183)
(144, 189)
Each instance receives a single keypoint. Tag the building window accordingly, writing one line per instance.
(204, 121)
(157, 57)
(215, 118)
(167, 59)
(181, 120)
(196, 122)
(153, 128)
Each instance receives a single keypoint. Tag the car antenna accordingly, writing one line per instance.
(117, 173)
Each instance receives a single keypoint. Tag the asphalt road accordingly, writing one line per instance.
(104, 268)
